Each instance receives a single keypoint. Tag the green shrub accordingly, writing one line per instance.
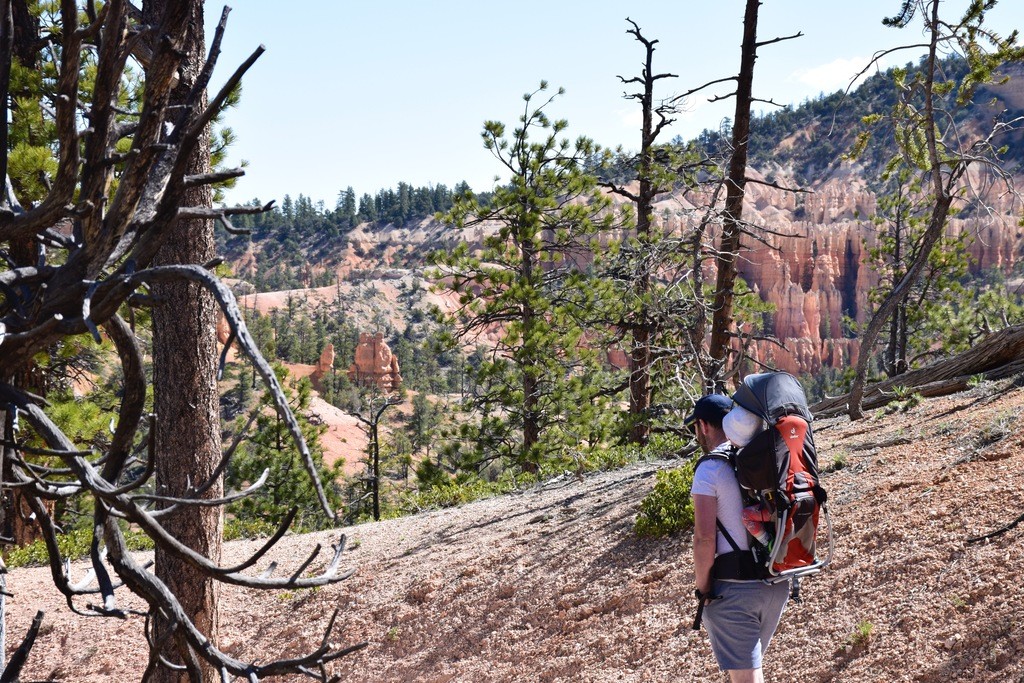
(73, 545)
(839, 461)
(438, 489)
(668, 507)
(862, 634)
(249, 527)
(906, 399)
(614, 457)
(465, 488)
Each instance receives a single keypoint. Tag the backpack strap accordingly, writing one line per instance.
(738, 564)
(727, 536)
(717, 455)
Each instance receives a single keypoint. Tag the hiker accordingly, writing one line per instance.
(740, 612)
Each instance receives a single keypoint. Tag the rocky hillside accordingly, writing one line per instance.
(812, 270)
(552, 584)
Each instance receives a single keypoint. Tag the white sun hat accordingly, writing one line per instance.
(741, 425)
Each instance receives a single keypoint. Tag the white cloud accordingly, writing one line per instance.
(631, 118)
(835, 75)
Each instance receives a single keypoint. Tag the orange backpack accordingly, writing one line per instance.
(778, 470)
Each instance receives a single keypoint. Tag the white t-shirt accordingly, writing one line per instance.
(715, 477)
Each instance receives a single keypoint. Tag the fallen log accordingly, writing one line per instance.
(997, 356)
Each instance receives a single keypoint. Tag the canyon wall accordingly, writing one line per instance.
(813, 269)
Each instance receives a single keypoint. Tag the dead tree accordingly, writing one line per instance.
(105, 215)
(655, 175)
(372, 422)
(722, 332)
(707, 354)
(997, 356)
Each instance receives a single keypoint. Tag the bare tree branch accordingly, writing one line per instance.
(92, 250)
(12, 672)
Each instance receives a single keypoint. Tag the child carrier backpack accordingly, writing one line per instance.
(778, 469)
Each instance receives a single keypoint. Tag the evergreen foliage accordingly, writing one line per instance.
(931, 140)
(829, 125)
(640, 265)
(293, 241)
(298, 333)
(538, 392)
(288, 235)
(901, 218)
(287, 486)
(75, 544)
(423, 424)
(668, 508)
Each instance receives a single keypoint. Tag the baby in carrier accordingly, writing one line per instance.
(740, 427)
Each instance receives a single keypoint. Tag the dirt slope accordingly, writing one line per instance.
(552, 585)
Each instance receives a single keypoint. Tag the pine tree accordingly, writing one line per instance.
(536, 392)
(368, 209)
(187, 400)
(287, 485)
(122, 213)
(641, 262)
(902, 218)
(346, 208)
(425, 417)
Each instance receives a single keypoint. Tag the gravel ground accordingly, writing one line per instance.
(552, 585)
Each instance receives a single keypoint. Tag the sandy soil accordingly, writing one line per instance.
(344, 438)
(552, 585)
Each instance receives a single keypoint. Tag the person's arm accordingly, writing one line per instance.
(705, 511)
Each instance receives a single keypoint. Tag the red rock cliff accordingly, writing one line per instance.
(814, 271)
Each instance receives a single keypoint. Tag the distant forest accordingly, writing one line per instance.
(832, 122)
(296, 229)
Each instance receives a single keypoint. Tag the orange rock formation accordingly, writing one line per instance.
(817, 272)
(374, 364)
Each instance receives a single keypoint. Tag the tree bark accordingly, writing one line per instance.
(185, 382)
(529, 274)
(656, 173)
(640, 354)
(999, 355)
(722, 320)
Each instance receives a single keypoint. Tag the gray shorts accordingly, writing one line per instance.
(743, 621)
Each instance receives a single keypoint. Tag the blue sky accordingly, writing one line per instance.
(370, 94)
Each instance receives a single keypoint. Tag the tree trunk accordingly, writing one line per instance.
(722, 320)
(888, 307)
(999, 355)
(185, 383)
(531, 400)
(375, 482)
(901, 356)
(942, 189)
(640, 383)
(531, 420)
(640, 355)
